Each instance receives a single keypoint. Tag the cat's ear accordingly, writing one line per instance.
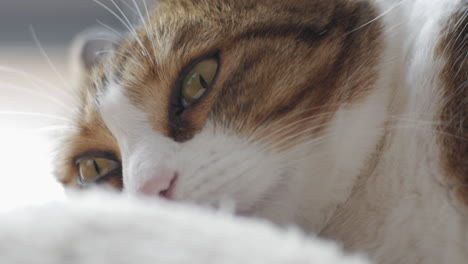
(89, 47)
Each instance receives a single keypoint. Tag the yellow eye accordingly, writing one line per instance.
(92, 170)
(198, 80)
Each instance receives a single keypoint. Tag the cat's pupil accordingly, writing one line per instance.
(96, 167)
(203, 82)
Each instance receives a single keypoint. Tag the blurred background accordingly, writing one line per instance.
(35, 88)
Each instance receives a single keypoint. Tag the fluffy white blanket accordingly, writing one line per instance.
(110, 229)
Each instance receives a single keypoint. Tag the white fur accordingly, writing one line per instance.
(100, 229)
(403, 212)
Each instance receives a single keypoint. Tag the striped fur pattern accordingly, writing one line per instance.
(347, 118)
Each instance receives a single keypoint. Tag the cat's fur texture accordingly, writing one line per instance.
(345, 117)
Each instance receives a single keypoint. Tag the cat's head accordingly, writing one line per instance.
(271, 104)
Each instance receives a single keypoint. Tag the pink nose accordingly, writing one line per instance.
(162, 184)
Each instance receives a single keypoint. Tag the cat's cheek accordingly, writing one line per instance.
(217, 166)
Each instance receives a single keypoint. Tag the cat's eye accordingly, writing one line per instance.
(92, 170)
(197, 81)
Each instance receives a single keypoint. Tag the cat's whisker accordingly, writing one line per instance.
(292, 138)
(313, 140)
(116, 32)
(132, 29)
(247, 162)
(145, 5)
(47, 58)
(31, 114)
(416, 121)
(112, 12)
(235, 163)
(214, 160)
(130, 7)
(37, 94)
(261, 123)
(377, 18)
(456, 40)
(35, 81)
(50, 129)
(111, 41)
(429, 128)
(127, 26)
(292, 126)
(145, 25)
(130, 58)
(245, 165)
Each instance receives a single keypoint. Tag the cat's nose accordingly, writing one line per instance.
(161, 184)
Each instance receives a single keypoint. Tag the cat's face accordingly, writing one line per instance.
(266, 103)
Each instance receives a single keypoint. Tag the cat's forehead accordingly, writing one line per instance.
(259, 45)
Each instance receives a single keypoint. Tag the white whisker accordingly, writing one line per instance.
(47, 58)
(132, 59)
(129, 6)
(36, 93)
(49, 129)
(145, 25)
(376, 18)
(34, 80)
(12, 113)
(116, 32)
(296, 123)
(132, 29)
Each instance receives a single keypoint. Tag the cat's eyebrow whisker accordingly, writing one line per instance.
(37, 94)
(128, 25)
(111, 41)
(47, 58)
(130, 58)
(145, 25)
(116, 32)
(114, 14)
(31, 114)
(127, 5)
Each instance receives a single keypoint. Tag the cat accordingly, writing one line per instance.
(347, 118)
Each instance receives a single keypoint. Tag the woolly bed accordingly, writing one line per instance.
(103, 228)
